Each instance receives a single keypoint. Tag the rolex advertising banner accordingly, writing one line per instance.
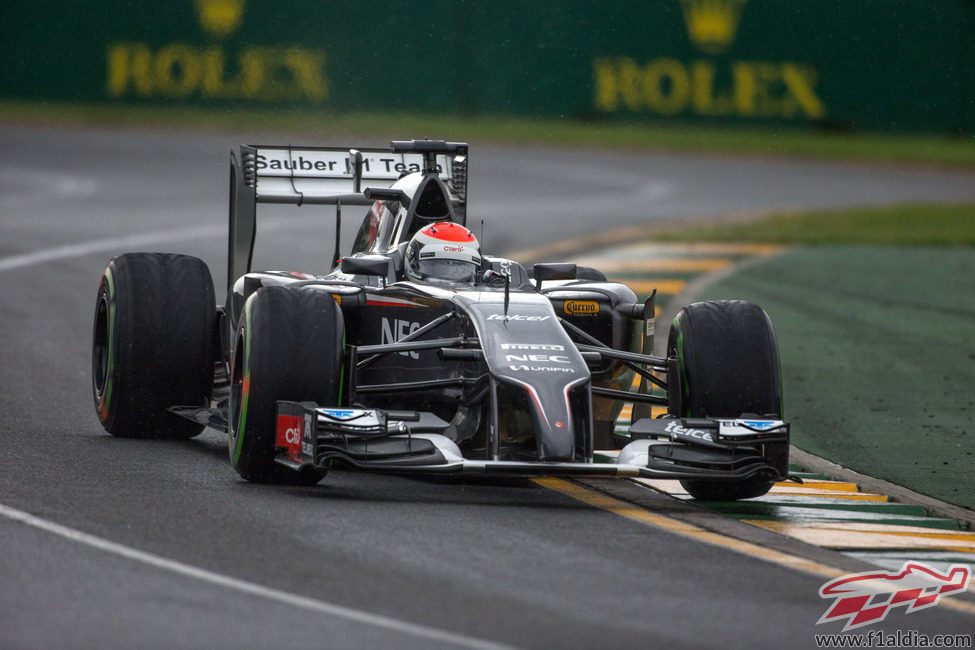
(850, 64)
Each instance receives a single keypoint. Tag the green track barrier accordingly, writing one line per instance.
(865, 64)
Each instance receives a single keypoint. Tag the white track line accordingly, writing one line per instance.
(250, 588)
(138, 242)
(110, 245)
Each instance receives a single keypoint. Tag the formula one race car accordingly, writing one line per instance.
(419, 354)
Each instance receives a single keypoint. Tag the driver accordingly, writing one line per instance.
(443, 252)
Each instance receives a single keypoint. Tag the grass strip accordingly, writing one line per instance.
(913, 224)
(319, 125)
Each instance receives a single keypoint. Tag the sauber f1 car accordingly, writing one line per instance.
(505, 370)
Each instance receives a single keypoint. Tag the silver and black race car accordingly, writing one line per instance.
(515, 371)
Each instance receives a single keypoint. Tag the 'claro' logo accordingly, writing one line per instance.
(181, 70)
(707, 86)
(581, 307)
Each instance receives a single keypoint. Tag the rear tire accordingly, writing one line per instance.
(288, 347)
(153, 344)
(728, 365)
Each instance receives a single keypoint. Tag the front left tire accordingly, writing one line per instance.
(288, 346)
(728, 366)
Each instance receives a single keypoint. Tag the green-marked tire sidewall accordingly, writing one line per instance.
(240, 381)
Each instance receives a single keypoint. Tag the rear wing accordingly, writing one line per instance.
(328, 176)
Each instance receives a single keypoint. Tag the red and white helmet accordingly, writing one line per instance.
(445, 251)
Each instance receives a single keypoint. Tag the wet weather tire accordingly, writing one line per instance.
(288, 347)
(728, 366)
(153, 344)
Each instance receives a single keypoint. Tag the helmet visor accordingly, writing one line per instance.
(450, 270)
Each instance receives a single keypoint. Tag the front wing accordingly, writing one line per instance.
(411, 441)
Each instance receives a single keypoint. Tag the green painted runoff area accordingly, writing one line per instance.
(877, 345)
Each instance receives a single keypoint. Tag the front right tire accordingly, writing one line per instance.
(153, 344)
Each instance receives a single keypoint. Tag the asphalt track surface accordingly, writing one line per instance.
(107, 542)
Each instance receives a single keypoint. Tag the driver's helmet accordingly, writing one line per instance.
(443, 252)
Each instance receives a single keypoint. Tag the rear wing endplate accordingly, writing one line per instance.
(328, 176)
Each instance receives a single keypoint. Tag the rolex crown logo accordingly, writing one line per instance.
(219, 17)
(712, 24)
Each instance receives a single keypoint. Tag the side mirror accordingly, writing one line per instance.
(377, 265)
(387, 194)
(553, 271)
